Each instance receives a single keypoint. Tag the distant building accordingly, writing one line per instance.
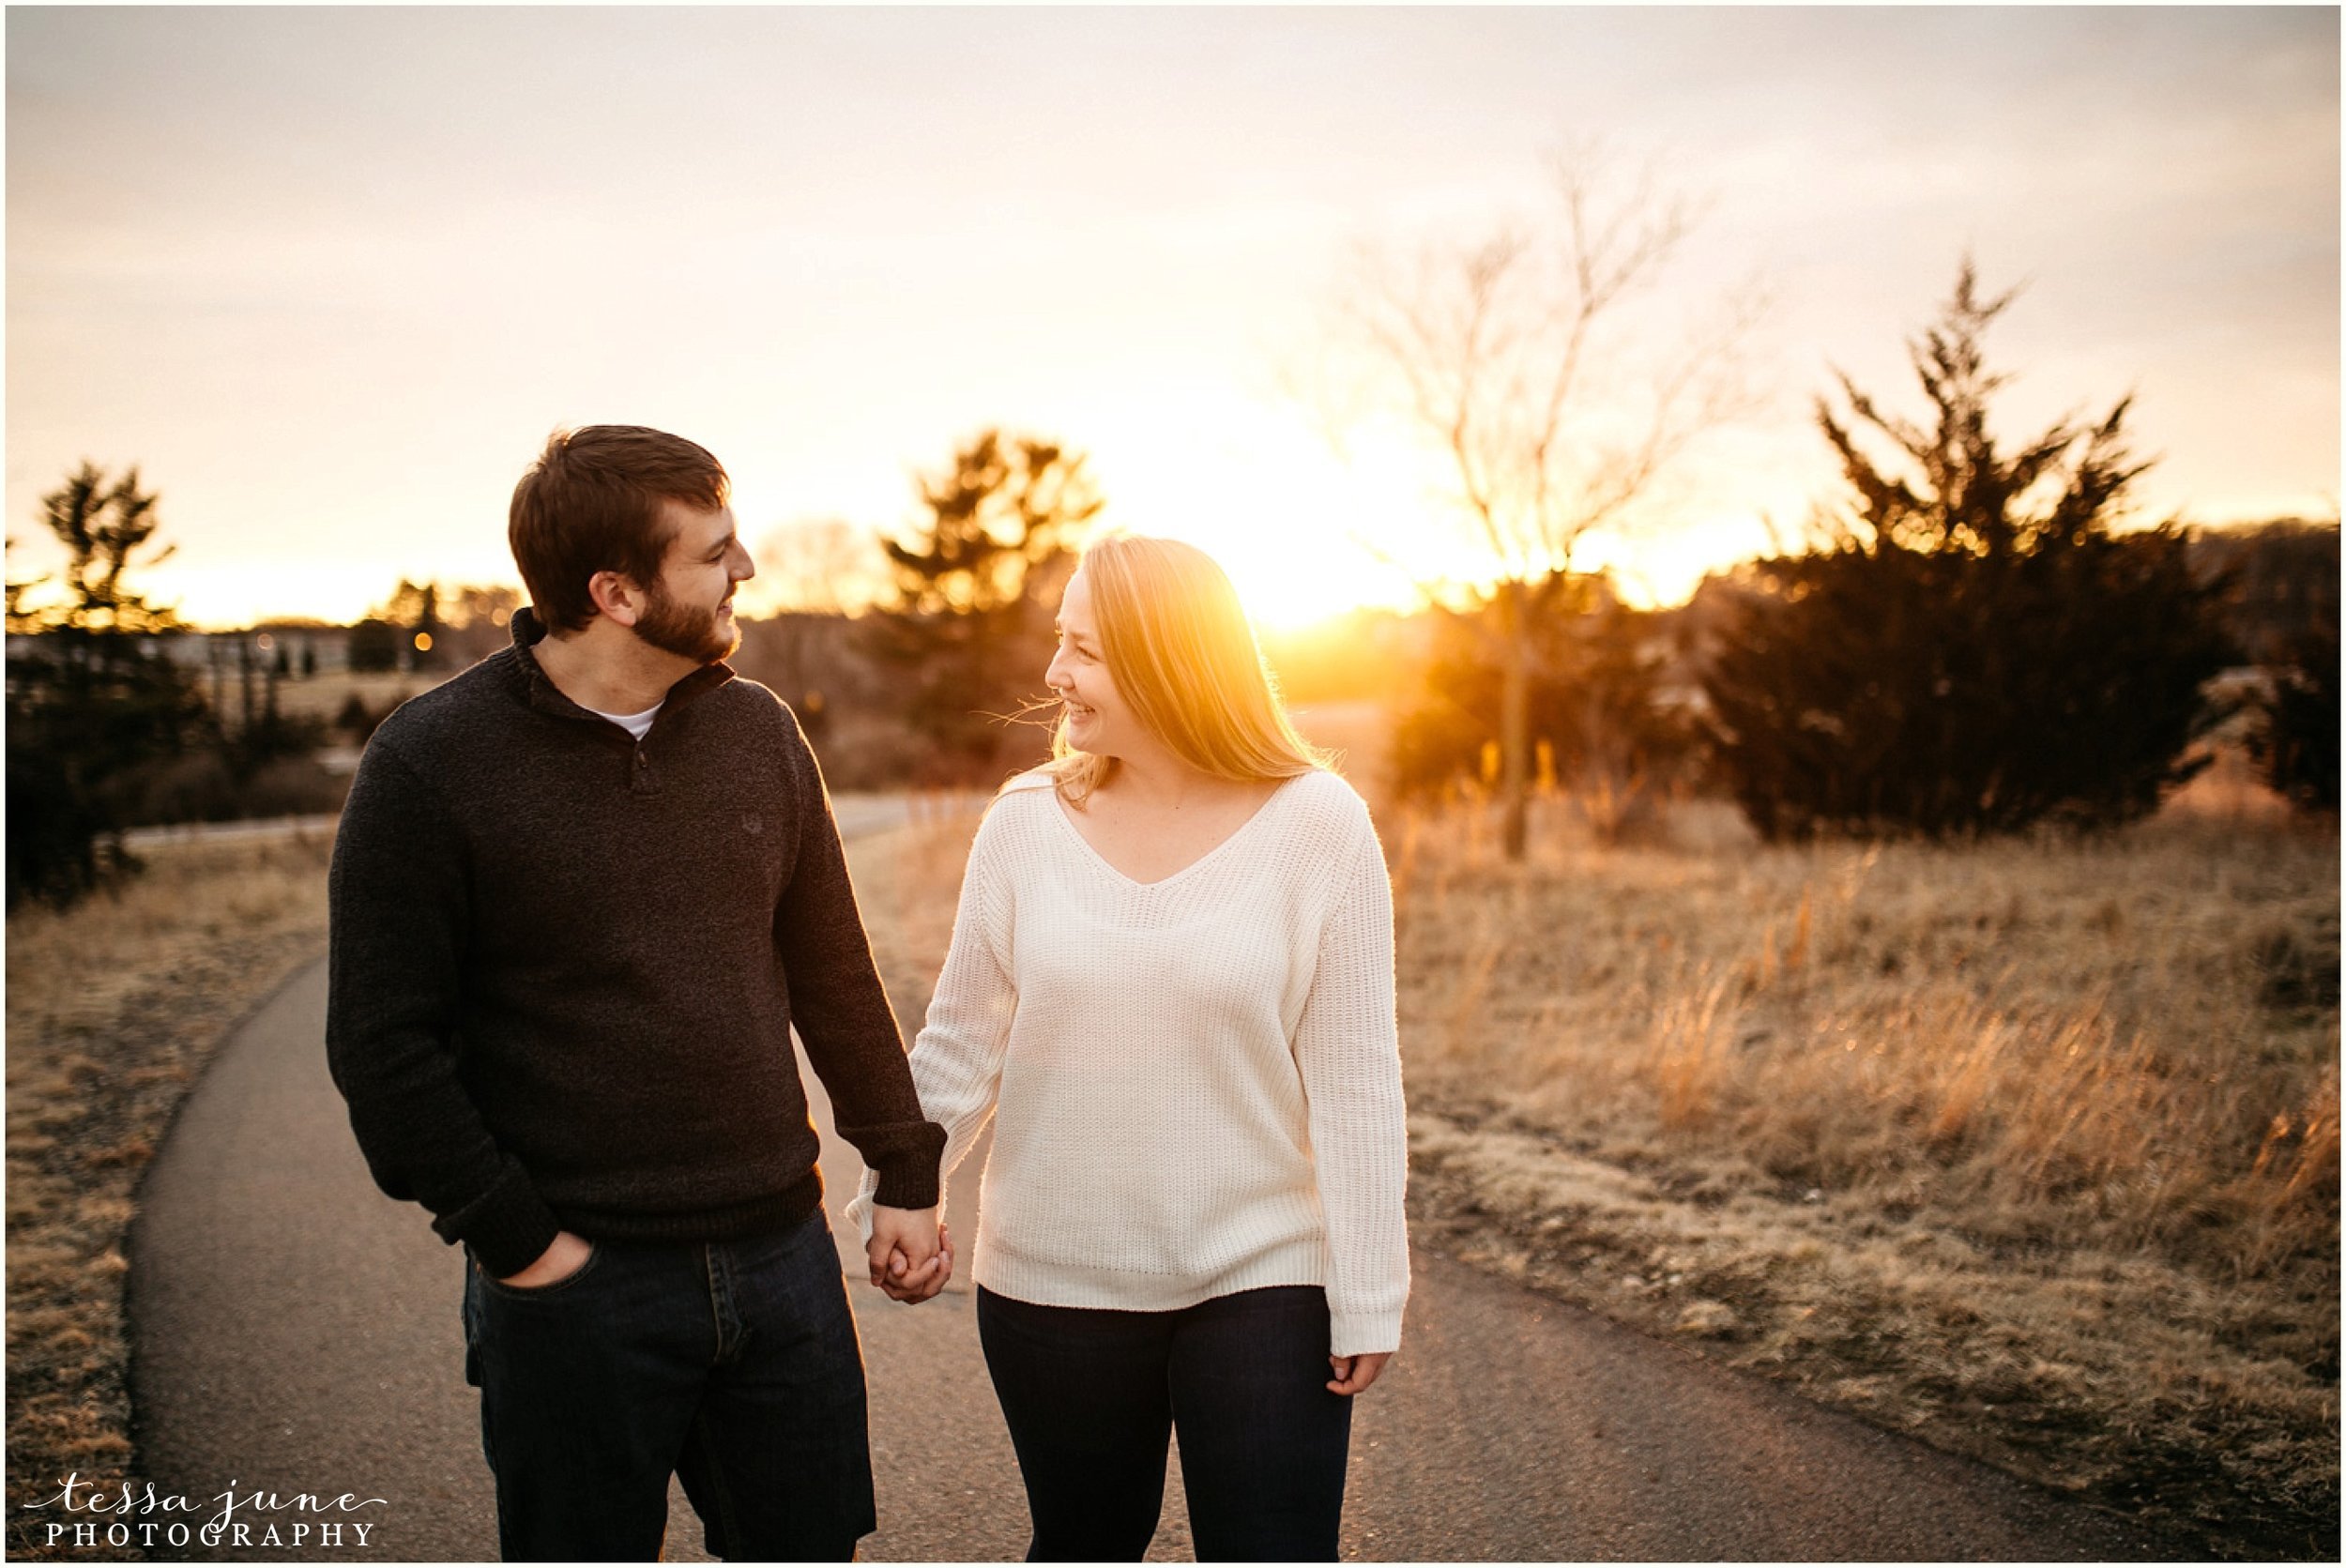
(328, 645)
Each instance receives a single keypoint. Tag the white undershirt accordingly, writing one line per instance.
(636, 725)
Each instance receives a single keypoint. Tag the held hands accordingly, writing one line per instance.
(1355, 1372)
(911, 1252)
(564, 1258)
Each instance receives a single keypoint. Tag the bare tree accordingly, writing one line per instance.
(1526, 361)
(826, 568)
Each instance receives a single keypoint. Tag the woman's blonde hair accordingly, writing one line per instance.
(1184, 659)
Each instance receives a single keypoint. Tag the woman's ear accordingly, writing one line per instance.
(617, 596)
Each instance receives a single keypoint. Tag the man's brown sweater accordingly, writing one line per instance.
(565, 964)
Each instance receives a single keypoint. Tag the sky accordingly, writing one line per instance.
(328, 277)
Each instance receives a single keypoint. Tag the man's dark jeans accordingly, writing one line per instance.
(732, 1364)
(1090, 1397)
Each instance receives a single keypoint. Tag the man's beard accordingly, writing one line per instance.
(689, 632)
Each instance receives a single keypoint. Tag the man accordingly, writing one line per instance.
(580, 895)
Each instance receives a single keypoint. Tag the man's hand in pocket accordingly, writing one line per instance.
(558, 1262)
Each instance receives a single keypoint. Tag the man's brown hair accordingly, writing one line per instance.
(592, 502)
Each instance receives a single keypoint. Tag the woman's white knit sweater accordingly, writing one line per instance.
(1196, 1083)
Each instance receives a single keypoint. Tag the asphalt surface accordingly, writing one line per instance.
(296, 1332)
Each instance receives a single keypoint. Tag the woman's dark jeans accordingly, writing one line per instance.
(731, 1364)
(1090, 1397)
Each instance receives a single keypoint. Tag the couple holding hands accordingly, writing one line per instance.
(583, 891)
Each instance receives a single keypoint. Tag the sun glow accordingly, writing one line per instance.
(1290, 587)
(1300, 530)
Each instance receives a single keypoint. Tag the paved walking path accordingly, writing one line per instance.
(297, 1332)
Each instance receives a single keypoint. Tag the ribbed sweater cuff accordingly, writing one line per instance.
(909, 1182)
(1364, 1333)
(507, 1228)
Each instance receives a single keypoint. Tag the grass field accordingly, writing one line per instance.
(2030, 1149)
(322, 695)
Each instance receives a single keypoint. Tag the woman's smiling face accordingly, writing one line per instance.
(1097, 720)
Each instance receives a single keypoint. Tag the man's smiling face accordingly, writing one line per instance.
(688, 610)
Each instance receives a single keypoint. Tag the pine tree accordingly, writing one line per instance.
(1978, 649)
(969, 632)
(420, 638)
(92, 700)
(2295, 734)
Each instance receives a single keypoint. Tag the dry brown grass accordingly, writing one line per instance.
(111, 1010)
(2130, 1044)
(322, 695)
(2030, 1150)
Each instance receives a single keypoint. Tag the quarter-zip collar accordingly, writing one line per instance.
(546, 697)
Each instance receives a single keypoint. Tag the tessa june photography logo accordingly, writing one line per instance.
(88, 1517)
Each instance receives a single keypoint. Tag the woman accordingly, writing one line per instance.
(1170, 984)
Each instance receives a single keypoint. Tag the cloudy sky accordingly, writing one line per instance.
(328, 277)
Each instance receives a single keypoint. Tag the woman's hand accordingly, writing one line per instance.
(1355, 1372)
(893, 1271)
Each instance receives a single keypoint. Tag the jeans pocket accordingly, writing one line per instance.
(539, 1292)
(471, 1313)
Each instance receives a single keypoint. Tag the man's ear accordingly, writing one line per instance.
(617, 596)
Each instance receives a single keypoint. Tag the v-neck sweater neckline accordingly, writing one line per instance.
(1061, 810)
